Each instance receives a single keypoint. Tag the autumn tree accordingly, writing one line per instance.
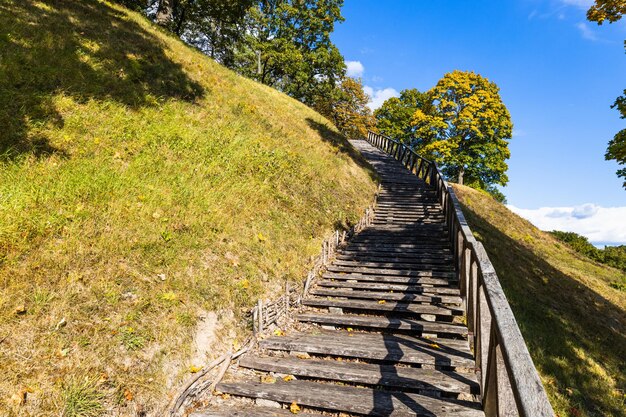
(609, 10)
(466, 130)
(347, 108)
(394, 117)
(612, 11)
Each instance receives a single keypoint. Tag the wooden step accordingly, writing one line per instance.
(249, 412)
(443, 271)
(376, 257)
(417, 327)
(377, 347)
(423, 277)
(387, 286)
(367, 374)
(366, 401)
(396, 307)
(401, 264)
(405, 297)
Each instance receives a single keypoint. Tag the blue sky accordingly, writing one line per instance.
(558, 75)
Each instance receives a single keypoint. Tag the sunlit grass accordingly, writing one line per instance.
(136, 177)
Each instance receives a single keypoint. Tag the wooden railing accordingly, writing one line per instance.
(510, 385)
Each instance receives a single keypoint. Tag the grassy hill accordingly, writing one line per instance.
(573, 321)
(146, 193)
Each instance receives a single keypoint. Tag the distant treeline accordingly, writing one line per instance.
(614, 256)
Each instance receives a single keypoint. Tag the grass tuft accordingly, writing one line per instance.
(82, 398)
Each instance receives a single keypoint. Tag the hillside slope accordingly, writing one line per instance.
(573, 321)
(146, 194)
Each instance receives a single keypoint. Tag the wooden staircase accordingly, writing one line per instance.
(382, 332)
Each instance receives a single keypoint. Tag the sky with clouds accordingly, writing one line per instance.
(558, 75)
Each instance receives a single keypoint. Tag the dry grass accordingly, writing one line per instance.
(142, 185)
(573, 321)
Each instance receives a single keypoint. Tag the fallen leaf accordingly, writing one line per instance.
(294, 408)
(194, 369)
(381, 301)
(225, 396)
(279, 332)
(268, 379)
(236, 345)
(288, 378)
(128, 395)
(261, 237)
(434, 345)
(349, 329)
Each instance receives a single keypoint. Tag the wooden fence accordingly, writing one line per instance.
(510, 385)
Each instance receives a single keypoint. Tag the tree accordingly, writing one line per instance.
(466, 130)
(288, 46)
(612, 11)
(394, 117)
(347, 108)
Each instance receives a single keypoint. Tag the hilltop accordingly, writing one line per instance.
(570, 315)
(148, 198)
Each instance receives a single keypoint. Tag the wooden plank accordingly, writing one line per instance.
(385, 323)
(390, 348)
(368, 374)
(376, 257)
(386, 307)
(442, 272)
(376, 286)
(353, 400)
(406, 297)
(424, 277)
(249, 412)
(403, 264)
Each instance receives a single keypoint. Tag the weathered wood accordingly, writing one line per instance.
(425, 277)
(354, 400)
(389, 272)
(400, 308)
(405, 297)
(367, 374)
(385, 323)
(403, 288)
(391, 348)
(250, 412)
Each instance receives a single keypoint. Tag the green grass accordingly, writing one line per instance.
(571, 316)
(82, 398)
(141, 186)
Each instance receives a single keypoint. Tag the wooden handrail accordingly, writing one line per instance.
(509, 382)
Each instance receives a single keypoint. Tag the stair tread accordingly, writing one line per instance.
(366, 373)
(384, 323)
(357, 400)
(374, 346)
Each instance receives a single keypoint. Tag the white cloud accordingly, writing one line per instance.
(378, 96)
(599, 224)
(586, 31)
(354, 68)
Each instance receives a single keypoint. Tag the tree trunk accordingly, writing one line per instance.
(461, 172)
(164, 12)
